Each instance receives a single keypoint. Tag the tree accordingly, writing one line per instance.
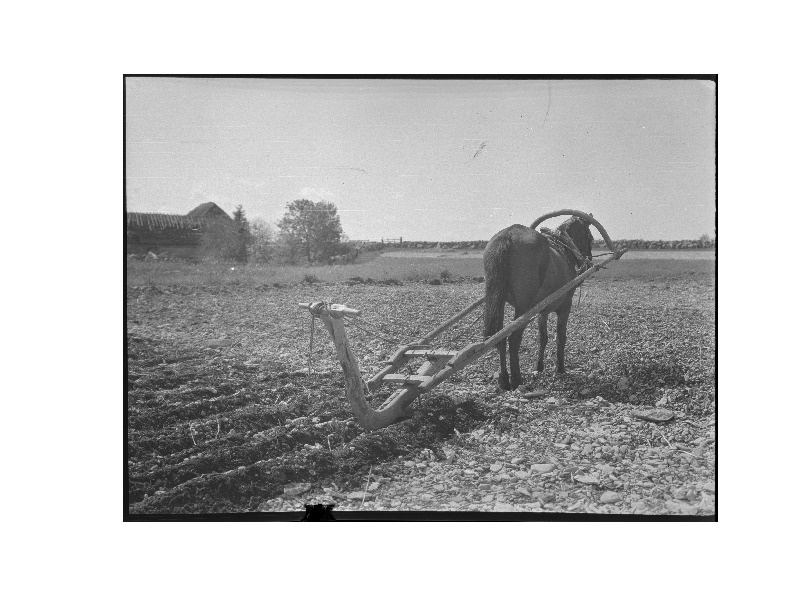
(227, 240)
(244, 236)
(311, 230)
(262, 249)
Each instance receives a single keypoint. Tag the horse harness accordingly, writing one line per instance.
(563, 245)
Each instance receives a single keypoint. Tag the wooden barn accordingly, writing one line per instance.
(174, 235)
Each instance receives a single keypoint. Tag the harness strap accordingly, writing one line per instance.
(563, 243)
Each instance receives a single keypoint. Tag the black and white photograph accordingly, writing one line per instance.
(407, 298)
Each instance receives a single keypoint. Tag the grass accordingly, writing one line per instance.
(379, 269)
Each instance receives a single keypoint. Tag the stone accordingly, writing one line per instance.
(409, 464)
(588, 449)
(522, 475)
(503, 507)
(680, 507)
(640, 508)
(610, 497)
(654, 415)
(296, 489)
(543, 468)
(586, 479)
(496, 467)
(518, 460)
(708, 486)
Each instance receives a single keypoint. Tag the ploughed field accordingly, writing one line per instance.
(223, 415)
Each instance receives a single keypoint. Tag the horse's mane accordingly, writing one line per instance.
(569, 223)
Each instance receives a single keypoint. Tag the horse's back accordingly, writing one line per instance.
(519, 255)
(516, 240)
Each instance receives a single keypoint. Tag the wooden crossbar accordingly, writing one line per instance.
(399, 358)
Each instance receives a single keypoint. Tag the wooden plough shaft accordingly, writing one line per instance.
(439, 364)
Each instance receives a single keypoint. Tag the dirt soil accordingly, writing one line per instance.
(223, 415)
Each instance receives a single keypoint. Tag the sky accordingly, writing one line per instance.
(429, 159)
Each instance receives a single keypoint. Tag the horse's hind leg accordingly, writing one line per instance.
(514, 355)
(542, 325)
(561, 337)
(503, 379)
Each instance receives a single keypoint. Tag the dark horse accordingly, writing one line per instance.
(522, 267)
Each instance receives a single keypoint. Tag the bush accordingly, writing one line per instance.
(310, 279)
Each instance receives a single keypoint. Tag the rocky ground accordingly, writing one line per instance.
(545, 456)
(223, 415)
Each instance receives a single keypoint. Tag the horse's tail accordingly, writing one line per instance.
(496, 273)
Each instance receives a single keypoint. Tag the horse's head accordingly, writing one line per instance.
(579, 231)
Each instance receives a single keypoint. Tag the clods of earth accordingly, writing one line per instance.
(224, 416)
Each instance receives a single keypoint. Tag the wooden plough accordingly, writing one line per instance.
(439, 364)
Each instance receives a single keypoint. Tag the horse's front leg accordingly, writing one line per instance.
(561, 337)
(542, 325)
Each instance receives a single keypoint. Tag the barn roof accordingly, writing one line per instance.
(207, 209)
(152, 221)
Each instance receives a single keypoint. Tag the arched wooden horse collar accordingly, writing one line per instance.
(582, 215)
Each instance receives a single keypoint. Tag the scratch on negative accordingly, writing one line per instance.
(547, 112)
(479, 150)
